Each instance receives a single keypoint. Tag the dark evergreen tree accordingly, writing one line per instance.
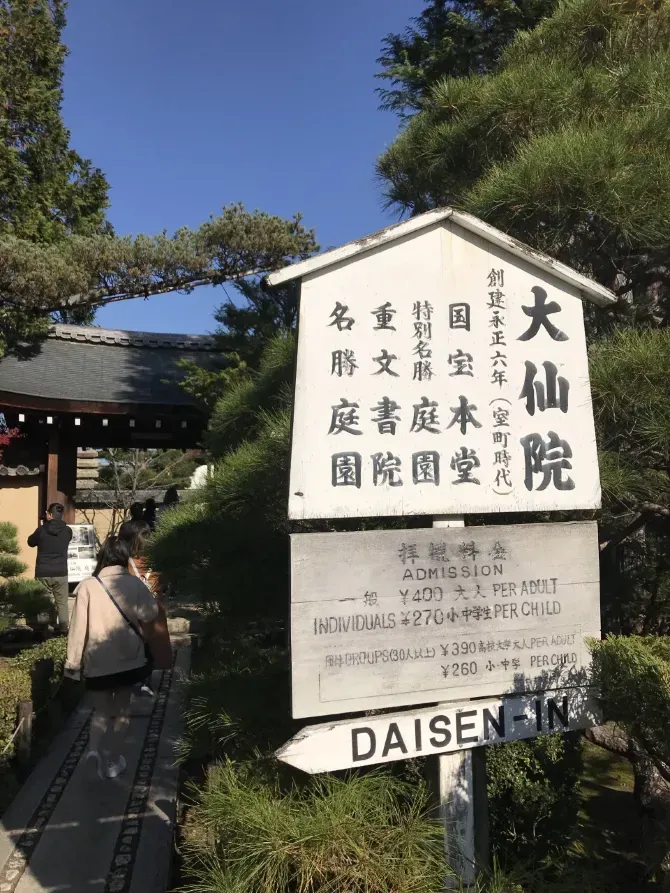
(19, 596)
(47, 190)
(246, 327)
(451, 38)
(58, 254)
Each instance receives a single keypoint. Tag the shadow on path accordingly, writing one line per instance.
(68, 830)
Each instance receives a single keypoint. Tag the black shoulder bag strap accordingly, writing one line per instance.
(120, 610)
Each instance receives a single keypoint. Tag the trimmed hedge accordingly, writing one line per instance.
(34, 674)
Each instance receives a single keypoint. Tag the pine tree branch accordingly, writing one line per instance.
(612, 738)
(100, 297)
(628, 531)
(647, 511)
(78, 271)
(653, 509)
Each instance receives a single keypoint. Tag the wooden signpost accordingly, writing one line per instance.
(350, 743)
(441, 370)
(441, 373)
(387, 618)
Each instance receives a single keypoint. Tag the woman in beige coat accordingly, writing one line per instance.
(106, 647)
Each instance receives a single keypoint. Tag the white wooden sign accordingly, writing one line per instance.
(441, 373)
(391, 618)
(443, 729)
(81, 553)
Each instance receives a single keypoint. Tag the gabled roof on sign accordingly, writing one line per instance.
(589, 288)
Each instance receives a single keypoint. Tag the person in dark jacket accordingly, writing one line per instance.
(136, 511)
(149, 514)
(52, 539)
(171, 498)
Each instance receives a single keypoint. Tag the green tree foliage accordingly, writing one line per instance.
(564, 146)
(209, 384)
(245, 327)
(450, 38)
(47, 190)
(19, 596)
(629, 371)
(229, 549)
(532, 788)
(633, 675)
(77, 271)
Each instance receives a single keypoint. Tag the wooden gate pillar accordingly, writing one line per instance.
(62, 474)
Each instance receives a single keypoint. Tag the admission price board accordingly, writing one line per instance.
(400, 617)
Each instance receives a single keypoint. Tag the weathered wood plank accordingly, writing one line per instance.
(441, 374)
(397, 617)
(447, 728)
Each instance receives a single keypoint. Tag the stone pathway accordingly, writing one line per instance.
(69, 831)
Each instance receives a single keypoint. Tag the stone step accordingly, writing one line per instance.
(87, 454)
(87, 463)
(87, 474)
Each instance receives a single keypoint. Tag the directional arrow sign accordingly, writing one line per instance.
(448, 727)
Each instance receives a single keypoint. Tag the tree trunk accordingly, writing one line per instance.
(652, 798)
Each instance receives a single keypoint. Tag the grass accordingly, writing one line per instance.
(607, 840)
(254, 827)
(369, 834)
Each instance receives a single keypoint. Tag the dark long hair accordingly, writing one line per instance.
(114, 552)
(171, 497)
(136, 510)
(135, 534)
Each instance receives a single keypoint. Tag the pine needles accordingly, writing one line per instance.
(360, 835)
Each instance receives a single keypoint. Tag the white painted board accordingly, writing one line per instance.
(81, 553)
(391, 618)
(446, 728)
(440, 374)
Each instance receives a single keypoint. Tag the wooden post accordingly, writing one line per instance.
(62, 474)
(25, 733)
(460, 784)
(53, 494)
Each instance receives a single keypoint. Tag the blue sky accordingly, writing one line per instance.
(187, 107)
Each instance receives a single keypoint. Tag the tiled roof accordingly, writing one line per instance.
(20, 470)
(120, 338)
(112, 498)
(89, 364)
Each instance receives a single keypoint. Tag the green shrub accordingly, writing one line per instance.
(25, 598)
(238, 700)
(19, 597)
(533, 795)
(370, 834)
(33, 675)
(15, 686)
(633, 676)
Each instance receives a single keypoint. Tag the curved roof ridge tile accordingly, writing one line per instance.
(123, 338)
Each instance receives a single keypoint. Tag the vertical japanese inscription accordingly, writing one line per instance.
(398, 400)
(546, 459)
